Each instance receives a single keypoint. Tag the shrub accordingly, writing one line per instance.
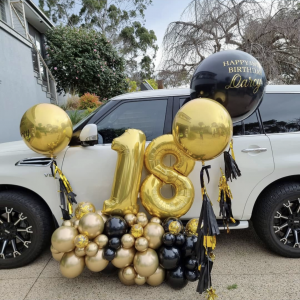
(76, 117)
(89, 101)
(72, 103)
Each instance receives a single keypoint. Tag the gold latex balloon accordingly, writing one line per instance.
(91, 225)
(139, 280)
(46, 129)
(130, 147)
(71, 265)
(53, 250)
(67, 223)
(91, 249)
(142, 219)
(127, 241)
(96, 263)
(141, 244)
(63, 238)
(84, 208)
(157, 278)
(129, 273)
(57, 256)
(151, 197)
(155, 220)
(145, 263)
(191, 227)
(73, 219)
(80, 251)
(153, 232)
(140, 214)
(101, 240)
(202, 129)
(81, 241)
(123, 280)
(175, 227)
(137, 230)
(123, 258)
(104, 217)
(130, 219)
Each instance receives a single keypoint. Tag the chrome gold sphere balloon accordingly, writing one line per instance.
(76, 223)
(130, 219)
(71, 265)
(96, 263)
(123, 280)
(46, 129)
(191, 227)
(84, 208)
(175, 227)
(53, 250)
(101, 240)
(81, 241)
(63, 237)
(91, 225)
(80, 252)
(67, 223)
(153, 232)
(124, 257)
(91, 249)
(127, 241)
(129, 273)
(155, 220)
(141, 244)
(73, 219)
(145, 263)
(57, 256)
(100, 213)
(142, 219)
(157, 278)
(202, 129)
(139, 280)
(137, 230)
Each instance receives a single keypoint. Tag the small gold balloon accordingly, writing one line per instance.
(101, 240)
(81, 241)
(67, 223)
(124, 257)
(71, 265)
(140, 214)
(63, 238)
(76, 223)
(80, 252)
(96, 263)
(175, 227)
(91, 225)
(137, 230)
(141, 244)
(53, 250)
(123, 280)
(129, 273)
(142, 219)
(153, 232)
(155, 220)
(57, 256)
(157, 278)
(100, 213)
(145, 263)
(73, 219)
(91, 249)
(84, 208)
(191, 227)
(127, 241)
(130, 219)
(139, 280)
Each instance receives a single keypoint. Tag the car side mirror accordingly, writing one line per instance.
(89, 135)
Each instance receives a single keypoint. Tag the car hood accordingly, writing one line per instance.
(13, 147)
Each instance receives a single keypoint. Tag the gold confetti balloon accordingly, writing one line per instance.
(139, 280)
(91, 249)
(137, 230)
(127, 241)
(145, 263)
(101, 240)
(141, 244)
(81, 241)
(84, 208)
(129, 273)
(123, 280)
(71, 265)
(96, 263)
(80, 252)
(91, 225)
(63, 238)
(175, 227)
(157, 278)
(153, 232)
(191, 227)
(130, 219)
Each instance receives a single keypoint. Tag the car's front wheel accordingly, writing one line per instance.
(26, 225)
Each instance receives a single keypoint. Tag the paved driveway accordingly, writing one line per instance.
(241, 259)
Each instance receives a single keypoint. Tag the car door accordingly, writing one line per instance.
(254, 165)
(91, 169)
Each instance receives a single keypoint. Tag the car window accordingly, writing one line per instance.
(280, 113)
(248, 126)
(148, 116)
(184, 100)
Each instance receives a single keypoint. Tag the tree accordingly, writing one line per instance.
(267, 30)
(83, 60)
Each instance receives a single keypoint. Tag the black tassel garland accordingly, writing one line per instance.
(232, 170)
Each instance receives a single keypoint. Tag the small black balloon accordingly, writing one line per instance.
(167, 222)
(191, 263)
(180, 240)
(189, 246)
(114, 243)
(169, 257)
(115, 226)
(168, 239)
(110, 269)
(176, 278)
(109, 253)
(191, 275)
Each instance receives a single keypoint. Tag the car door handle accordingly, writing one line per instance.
(254, 150)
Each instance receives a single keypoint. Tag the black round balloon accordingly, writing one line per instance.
(114, 243)
(115, 226)
(180, 240)
(110, 269)
(176, 278)
(169, 257)
(233, 78)
(191, 275)
(168, 239)
(109, 253)
(167, 222)
(191, 263)
(189, 246)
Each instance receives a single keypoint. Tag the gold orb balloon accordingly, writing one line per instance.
(157, 278)
(91, 225)
(46, 129)
(91, 249)
(129, 273)
(67, 223)
(140, 214)
(81, 241)
(153, 232)
(202, 129)
(123, 258)
(137, 230)
(139, 280)
(80, 252)
(155, 220)
(76, 223)
(175, 227)
(130, 219)
(57, 256)
(96, 263)
(104, 217)
(141, 244)
(53, 250)
(123, 280)
(127, 241)
(101, 240)
(191, 227)
(84, 208)
(142, 219)
(71, 265)
(145, 263)
(63, 238)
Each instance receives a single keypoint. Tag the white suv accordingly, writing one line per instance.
(267, 150)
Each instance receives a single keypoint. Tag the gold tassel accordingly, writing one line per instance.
(231, 148)
(211, 294)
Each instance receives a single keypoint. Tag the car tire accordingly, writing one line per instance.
(28, 231)
(276, 220)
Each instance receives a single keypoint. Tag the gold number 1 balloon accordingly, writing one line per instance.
(130, 147)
